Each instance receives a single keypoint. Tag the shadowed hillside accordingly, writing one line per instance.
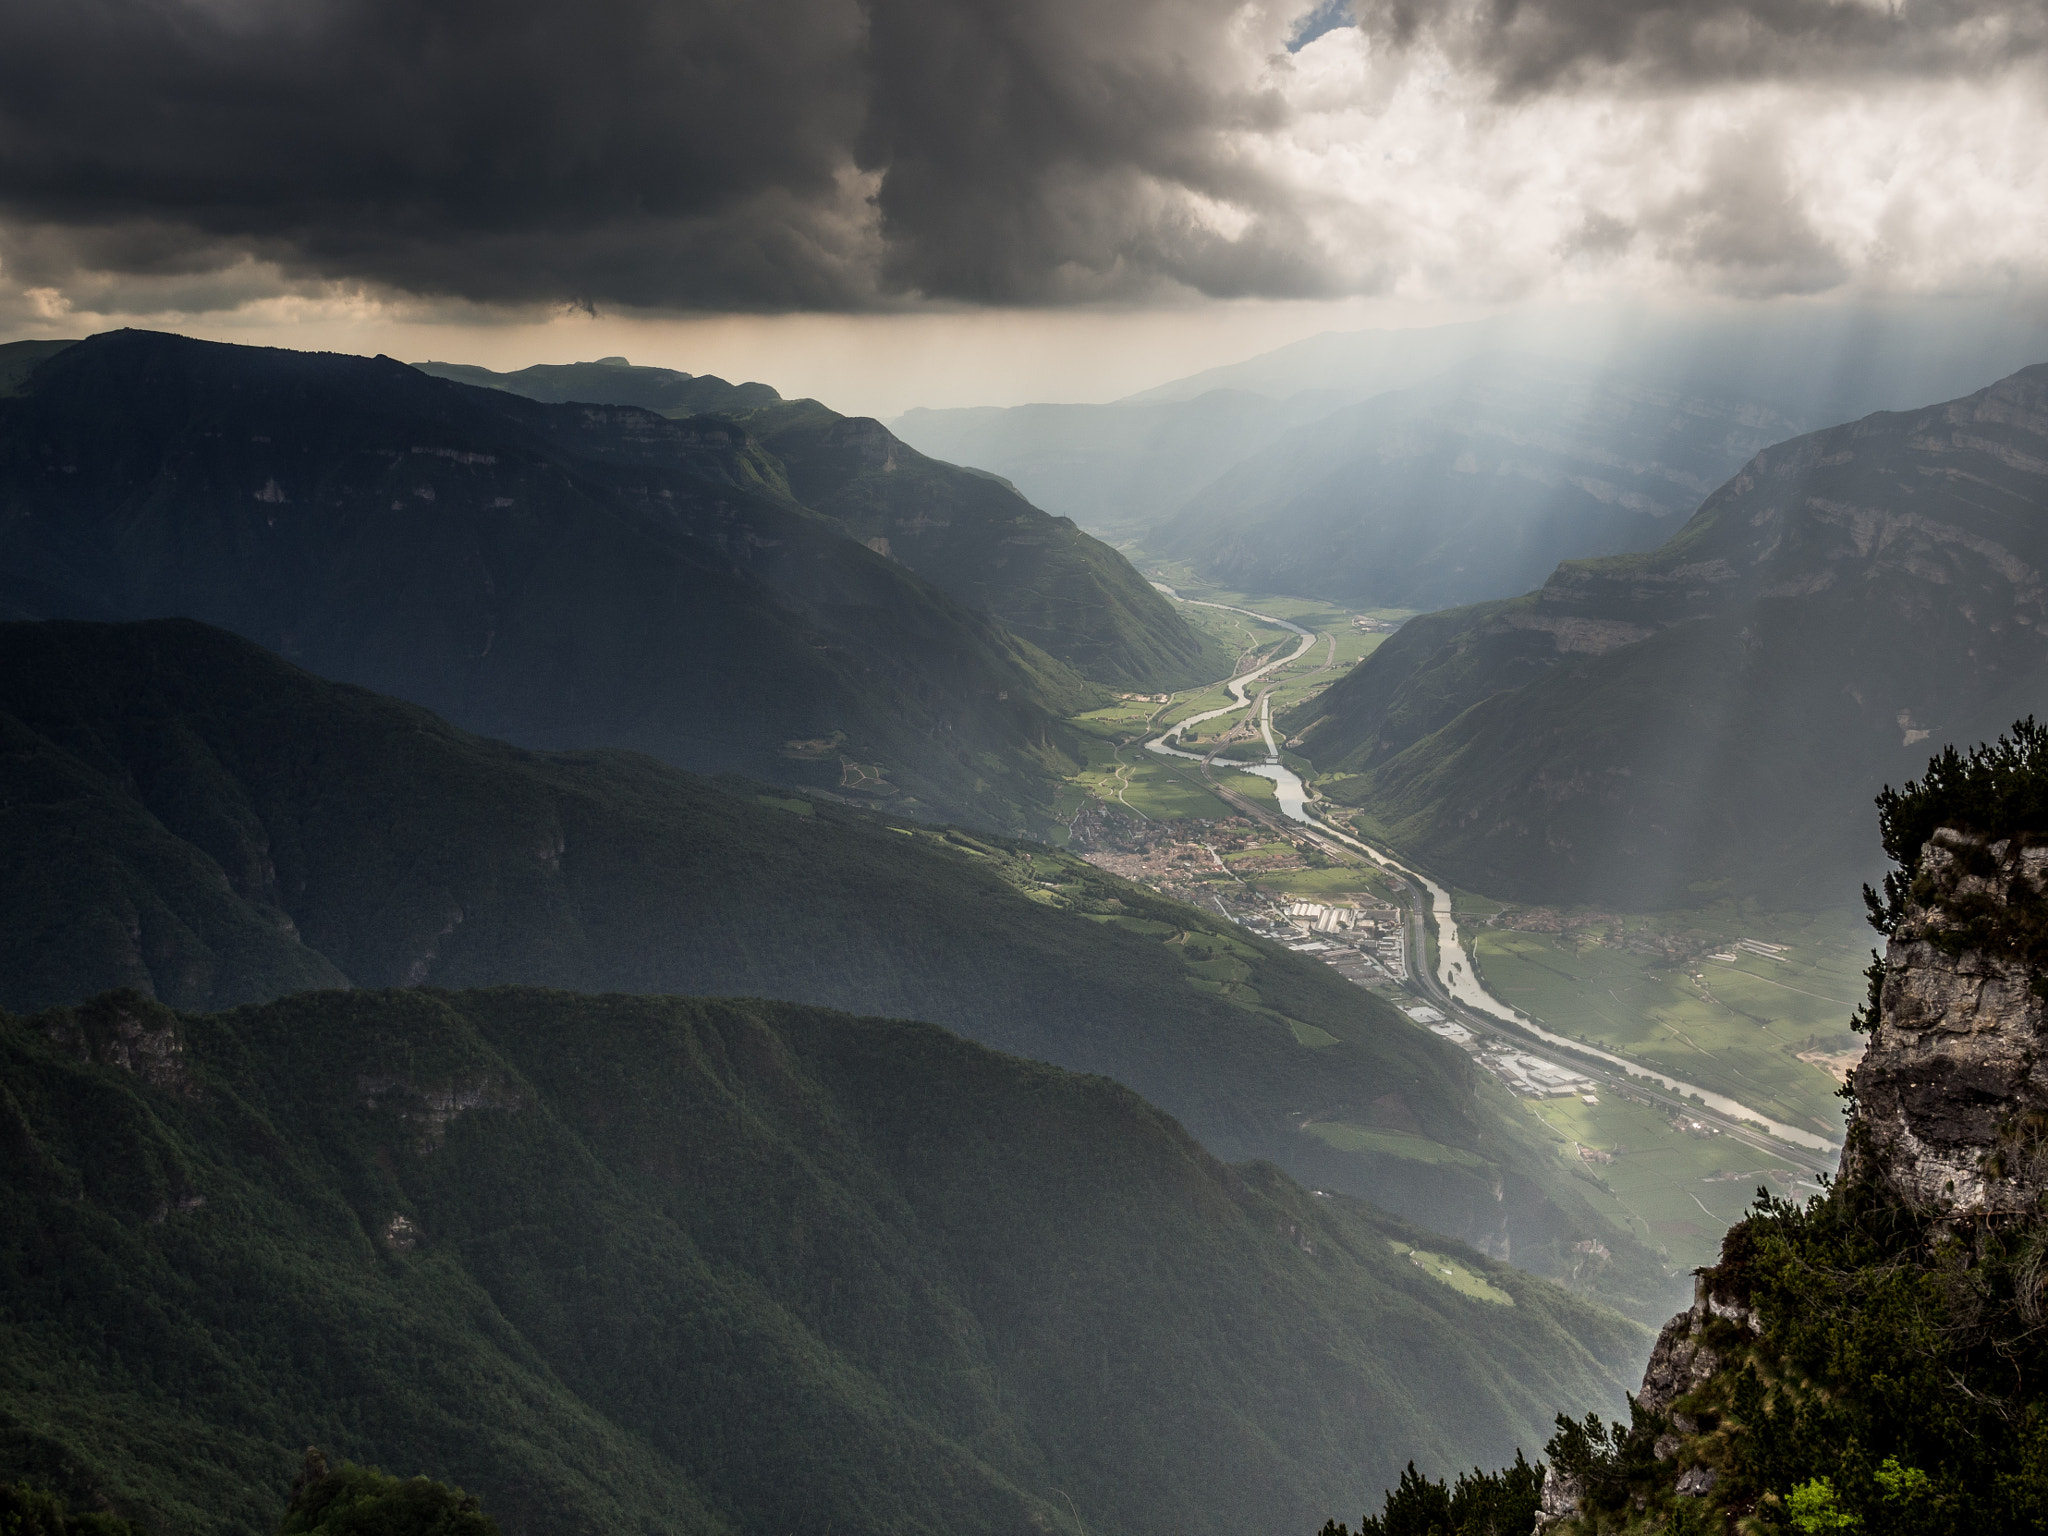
(559, 575)
(620, 1264)
(967, 532)
(184, 814)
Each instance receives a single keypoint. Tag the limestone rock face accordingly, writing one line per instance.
(1682, 1358)
(1561, 1498)
(1953, 1090)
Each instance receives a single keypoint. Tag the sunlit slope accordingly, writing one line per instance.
(186, 814)
(969, 533)
(660, 1264)
(1715, 715)
(1470, 487)
(559, 575)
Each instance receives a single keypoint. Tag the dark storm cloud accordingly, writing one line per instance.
(620, 149)
(711, 153)
(1534, 45)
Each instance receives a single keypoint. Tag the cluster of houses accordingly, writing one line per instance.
(1351, 937)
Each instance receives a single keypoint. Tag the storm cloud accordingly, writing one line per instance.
(770, 153)
(187, 155)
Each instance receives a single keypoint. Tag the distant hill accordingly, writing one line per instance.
(187, 815)
(1124, 467)
(614, 381)
(1474, 485)
(561, 575)
(655, 1264)
(1116, 469)
(969, 533)
(1713, 717)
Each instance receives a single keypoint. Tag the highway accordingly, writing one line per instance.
(1453, 986)
(1237, 684)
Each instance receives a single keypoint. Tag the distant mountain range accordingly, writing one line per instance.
(186, 815)
(1422, 467)
(562, 575)
(1472, 485)
(1714, 716)
(726, 1267)
(969, 533)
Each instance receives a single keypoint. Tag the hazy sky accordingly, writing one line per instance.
(952, 201)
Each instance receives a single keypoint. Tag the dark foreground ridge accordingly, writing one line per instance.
(659, 1264)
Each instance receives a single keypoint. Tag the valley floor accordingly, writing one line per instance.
(1743, 1003)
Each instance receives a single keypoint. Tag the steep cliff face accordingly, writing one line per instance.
(1952, 1095)
(1876, 1358)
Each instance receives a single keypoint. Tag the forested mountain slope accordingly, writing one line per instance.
(655, 1264)
(1714, 716)
(183, 813)
(970, 534)
(559, 575)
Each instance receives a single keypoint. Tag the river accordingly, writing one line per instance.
(1454, 973)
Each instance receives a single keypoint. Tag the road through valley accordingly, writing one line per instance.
(1455, 980)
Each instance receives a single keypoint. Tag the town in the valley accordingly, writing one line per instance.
(1239, 868)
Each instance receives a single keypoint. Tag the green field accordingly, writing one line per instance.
(1416, 1149)
(1139, 781)
(1310, 612)
(1338, 645)
(1676, 1190)
(1649, 988)
(1323, 884)
(1459, 1276)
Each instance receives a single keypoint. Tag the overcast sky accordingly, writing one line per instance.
(949, 201)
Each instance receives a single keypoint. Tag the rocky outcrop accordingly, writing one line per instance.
(430, 1109)
(1951, 1119)
(128, 1031)
(1683, 1357)
(1561, 1497)
(1952, 1095)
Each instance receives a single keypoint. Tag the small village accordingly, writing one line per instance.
(1358, 934)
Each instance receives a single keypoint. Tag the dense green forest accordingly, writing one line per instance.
(968, 532)
(182, 813)
(618, 1263)
(559, 575)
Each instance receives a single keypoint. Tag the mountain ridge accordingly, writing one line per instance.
(1711, 716)
(560, 575)
(972, 534)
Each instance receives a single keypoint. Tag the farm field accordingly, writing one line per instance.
(1136, 780)
(1326, 884)
(1751, 1004)
(1676, 1190)
(1338, 648)
(1459, 1276)
(1309, 612)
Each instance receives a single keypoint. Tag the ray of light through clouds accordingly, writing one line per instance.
(1003, 199)
(1426, 179)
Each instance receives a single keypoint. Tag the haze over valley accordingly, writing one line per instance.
(1074, 770)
